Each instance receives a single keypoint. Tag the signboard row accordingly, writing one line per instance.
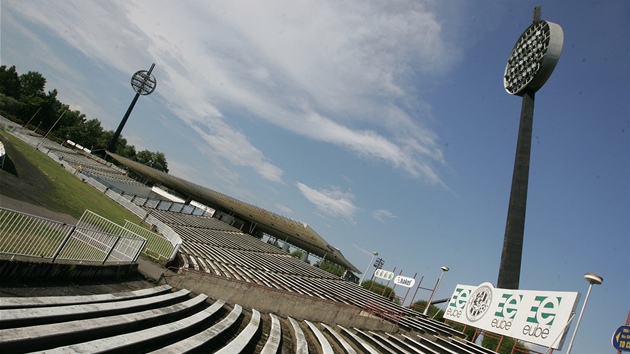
(539, 317)
(399, 280)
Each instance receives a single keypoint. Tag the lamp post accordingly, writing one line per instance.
(426, 308)
(592, 279)
(374, 254)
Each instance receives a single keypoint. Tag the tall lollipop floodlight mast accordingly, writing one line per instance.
(530, 64)
(144, 84)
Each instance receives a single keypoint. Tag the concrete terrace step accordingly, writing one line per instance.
(43, 301)
(323, 342)
(41, 315)
(134, 341)
(358, 341)
(243, 339)
(301, 345)
(153, 321)
(275, 336)
(40, 337)
(339, 339)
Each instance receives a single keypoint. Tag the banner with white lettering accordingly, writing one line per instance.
(538, 317)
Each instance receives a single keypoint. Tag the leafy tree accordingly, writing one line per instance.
(9, 82)
(23, 97)
(9, 105)
(506, 344)
(331, 268)
(434, 311)
(87, 133)
(379, 288)
(298, 254)
(155, 160)
(32, 84)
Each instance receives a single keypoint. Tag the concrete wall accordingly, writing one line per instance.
(278, 302)
(21, 270)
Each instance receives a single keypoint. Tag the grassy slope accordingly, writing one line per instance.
(33, 177)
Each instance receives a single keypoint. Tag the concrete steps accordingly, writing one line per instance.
(165, 320)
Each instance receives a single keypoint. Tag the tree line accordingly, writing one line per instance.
(24, 100)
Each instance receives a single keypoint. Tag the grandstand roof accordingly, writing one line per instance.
(294, 232)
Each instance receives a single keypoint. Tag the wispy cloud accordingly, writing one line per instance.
(332, 202)
(381, 214)
(341, 73)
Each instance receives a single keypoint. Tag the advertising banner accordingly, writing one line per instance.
(404, 281)
(384, 274)
(538, 317)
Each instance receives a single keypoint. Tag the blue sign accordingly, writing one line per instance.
(621, 339)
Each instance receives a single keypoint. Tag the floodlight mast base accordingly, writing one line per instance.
(510, 267)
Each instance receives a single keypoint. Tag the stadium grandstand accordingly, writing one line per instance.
(220, 287)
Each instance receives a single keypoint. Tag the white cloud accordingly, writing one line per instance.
(332, 202)
(381, 214)
(343, 73)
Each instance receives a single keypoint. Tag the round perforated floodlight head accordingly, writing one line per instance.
(143, 82)
(593, 278)
(533, 58)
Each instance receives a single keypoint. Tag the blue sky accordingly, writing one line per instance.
(385, 128)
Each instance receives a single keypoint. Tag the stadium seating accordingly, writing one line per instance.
(168, 321)
(162, 320)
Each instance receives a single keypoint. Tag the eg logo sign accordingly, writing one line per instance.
(507, 309)
(458, 302)
(479, 303)
(544, 310)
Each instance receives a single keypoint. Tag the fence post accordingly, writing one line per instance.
(135, 258)
(63, 244)
(111, 249)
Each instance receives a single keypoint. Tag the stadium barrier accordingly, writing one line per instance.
(91, 240)
(158, 247)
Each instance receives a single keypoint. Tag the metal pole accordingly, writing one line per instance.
(386, 286)
(57, 121)
(374, 254)
(577, 324)
(112, 143)
(407, 293)
(426, 308)
(510, 267)
(394, 287)
(26, 125)
(416, 292)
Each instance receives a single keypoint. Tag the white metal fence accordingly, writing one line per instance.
(93, 239)
(48, 147)
(158, 247)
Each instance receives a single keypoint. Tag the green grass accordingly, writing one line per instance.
(56, 189)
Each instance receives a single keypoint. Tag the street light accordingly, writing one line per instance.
(374, 254)
(426, 308)
(591, 278)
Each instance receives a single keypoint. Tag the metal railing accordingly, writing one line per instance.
(28, 235)
(158, 247)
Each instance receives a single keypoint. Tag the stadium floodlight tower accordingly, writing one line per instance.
(530, 64)
(144, 84)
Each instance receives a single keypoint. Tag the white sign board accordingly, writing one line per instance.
(404, 281)
(384, 274)
(538, 317)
